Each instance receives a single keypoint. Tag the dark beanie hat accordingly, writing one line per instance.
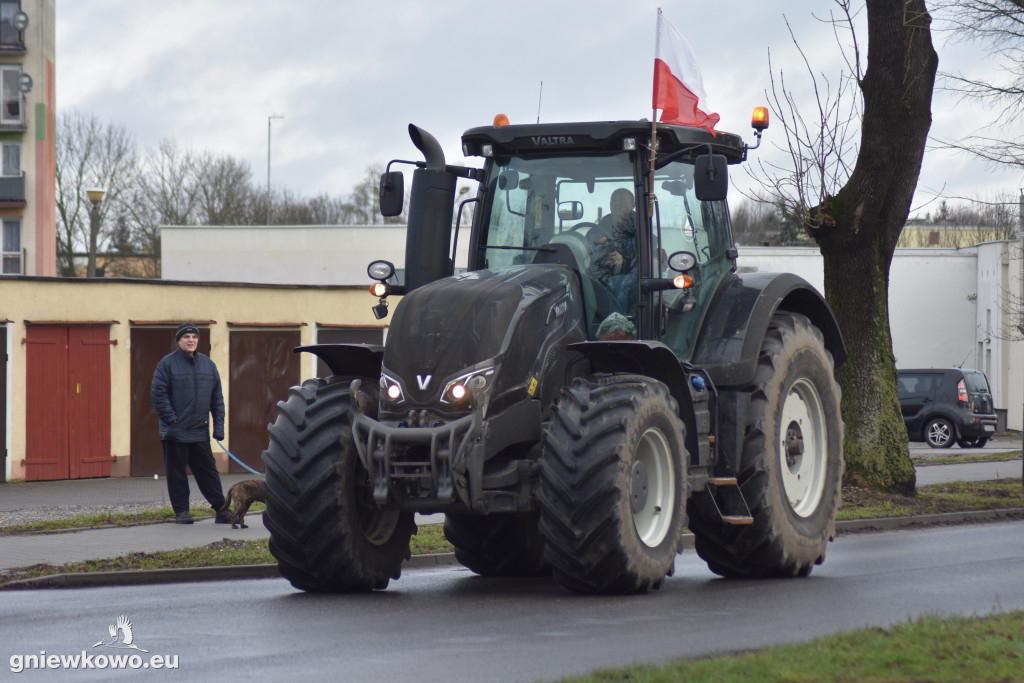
(186, 328)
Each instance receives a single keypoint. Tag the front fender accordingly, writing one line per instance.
(737, 321)
(357, 360)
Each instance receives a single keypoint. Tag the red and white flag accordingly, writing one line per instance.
(678, 87)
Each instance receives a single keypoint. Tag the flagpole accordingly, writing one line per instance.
(654, 128)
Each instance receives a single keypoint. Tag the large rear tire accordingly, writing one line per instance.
(791, 465)
(613, 482)
(504, 544)
(325, 530)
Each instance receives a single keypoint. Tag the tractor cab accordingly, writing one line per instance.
(647, 245)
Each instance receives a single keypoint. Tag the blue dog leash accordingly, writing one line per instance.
(258, 474)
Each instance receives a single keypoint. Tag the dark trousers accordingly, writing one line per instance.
(198, 456)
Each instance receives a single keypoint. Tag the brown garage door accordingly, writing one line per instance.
(149, 345)
(263, 368)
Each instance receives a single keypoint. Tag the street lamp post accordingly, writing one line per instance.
(95, 196)
(269, 121)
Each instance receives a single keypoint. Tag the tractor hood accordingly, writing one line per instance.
(497, 320)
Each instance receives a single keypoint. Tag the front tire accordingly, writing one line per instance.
(791, 464)
(613, 482)
(325, 531)
(939, 433)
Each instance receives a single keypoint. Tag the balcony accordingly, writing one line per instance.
(12, 190)
(12, 39)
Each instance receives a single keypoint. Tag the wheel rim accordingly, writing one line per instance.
(803, 448)
(939, 433)
(652, 488)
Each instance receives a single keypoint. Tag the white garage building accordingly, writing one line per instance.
(948, 307)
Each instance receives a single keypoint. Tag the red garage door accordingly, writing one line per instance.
(67, 402)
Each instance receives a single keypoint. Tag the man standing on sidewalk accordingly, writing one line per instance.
(185, 391)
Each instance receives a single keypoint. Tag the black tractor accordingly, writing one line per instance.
(599, 377)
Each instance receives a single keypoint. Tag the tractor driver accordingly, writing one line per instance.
(614, 247)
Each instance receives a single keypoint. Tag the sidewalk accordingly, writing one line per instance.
(73, 546)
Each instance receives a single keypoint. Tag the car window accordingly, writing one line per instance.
(915, 383)
(976, 382)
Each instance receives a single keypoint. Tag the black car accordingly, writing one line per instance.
(941, 406)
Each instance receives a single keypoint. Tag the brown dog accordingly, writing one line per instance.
(240, 497)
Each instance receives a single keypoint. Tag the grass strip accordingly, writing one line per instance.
(958, 496)
(429, 539)
(932, 648)
(956, 459)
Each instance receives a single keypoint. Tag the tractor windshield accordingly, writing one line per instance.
(585, 203)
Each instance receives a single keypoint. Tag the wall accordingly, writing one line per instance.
(309, 255)
(941, 302)
(38, 152)
(123, 303)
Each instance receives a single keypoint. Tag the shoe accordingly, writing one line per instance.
(183, 518)
(223, 517)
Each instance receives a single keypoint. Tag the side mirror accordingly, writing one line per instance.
(508, 180)
(570, 211)
(711, 177)
(392, 193)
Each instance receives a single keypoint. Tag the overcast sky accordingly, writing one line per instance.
(349, 77)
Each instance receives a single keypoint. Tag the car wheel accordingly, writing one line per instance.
(939, 433)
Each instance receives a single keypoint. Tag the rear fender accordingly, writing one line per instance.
(737, 321)
(356, 360)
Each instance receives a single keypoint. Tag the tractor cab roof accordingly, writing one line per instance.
(596, 136)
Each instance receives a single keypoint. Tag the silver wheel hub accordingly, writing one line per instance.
(652, 488)
(803, 448)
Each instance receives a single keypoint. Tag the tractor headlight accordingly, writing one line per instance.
(392, 390)
(457, 390)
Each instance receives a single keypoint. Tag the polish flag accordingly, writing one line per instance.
(678, 87)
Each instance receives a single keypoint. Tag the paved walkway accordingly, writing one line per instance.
(75, 546)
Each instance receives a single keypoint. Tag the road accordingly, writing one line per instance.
(448, 624)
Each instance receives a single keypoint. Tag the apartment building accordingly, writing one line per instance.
(27, 149)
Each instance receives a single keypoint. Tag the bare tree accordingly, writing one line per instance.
(857, 197)
(89, 154)
(997, 27)
(224, 189)
(164, 192)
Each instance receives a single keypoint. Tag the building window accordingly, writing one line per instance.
(12, 248)
(11, 162)
(10, 108)
(11, 37)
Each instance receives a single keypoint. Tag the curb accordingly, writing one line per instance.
(429, 561)
(128, 577)
(936, 519)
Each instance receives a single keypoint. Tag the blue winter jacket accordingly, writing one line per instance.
(185, 392)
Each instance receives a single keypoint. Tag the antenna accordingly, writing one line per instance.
(539, 96)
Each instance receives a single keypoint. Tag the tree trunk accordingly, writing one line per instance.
(857, 231)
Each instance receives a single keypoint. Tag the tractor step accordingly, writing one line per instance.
(738, 520)
(726, 496)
